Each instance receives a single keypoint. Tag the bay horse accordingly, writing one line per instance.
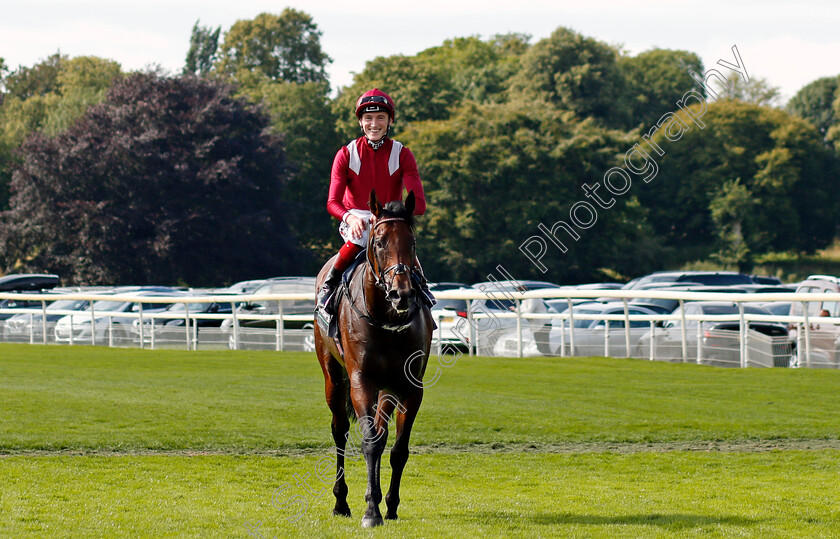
(378, 363)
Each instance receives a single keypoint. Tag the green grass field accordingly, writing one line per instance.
(99, 442)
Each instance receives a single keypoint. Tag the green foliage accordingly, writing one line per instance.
(50, 97)
(731, 205)
(201, 56)
(285, 47)
(302, 114)
(780, 162)
(495, 172)
(656, 80)
(757, 91)
(168, 180)
(814, 103)
(574, 73)
(430, 85)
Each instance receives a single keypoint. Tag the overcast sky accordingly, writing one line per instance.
(788, 43)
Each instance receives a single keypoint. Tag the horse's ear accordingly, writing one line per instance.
(374, 205)
(409, 203)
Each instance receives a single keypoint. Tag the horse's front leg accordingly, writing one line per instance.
(404, 416)
(373, 444)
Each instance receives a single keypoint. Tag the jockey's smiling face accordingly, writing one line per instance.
(375, 125)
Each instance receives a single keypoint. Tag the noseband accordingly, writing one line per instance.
(397, 269)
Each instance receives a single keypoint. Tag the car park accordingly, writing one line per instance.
(592, 335)
(717, 341)
(24, 283)
(169, 326)
(29, 327)
(111, 320)
(256, 320)
(709, 278)
(822, 338)
(450, 316)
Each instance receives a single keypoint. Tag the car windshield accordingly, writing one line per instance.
(453, 304)
(584, 323)
(732, 309)
(108, 305)
(193, 307)
(67, 305)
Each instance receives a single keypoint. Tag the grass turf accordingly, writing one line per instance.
(495, 448)
(92, 398)
(675, 494)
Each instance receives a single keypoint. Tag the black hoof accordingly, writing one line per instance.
(372, 522)
(341, 512)
(390, 516)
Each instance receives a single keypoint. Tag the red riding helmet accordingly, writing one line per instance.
(374, 101)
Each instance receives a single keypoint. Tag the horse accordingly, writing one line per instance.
(377, 363)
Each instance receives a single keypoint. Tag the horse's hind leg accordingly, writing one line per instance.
(336, 397)
(404, 416)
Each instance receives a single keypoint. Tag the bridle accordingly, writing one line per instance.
(381, 283)
(398, 269)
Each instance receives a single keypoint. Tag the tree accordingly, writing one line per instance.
(781, 163)
(732, 204)
(50, 96)
(302, 114)
(40, 79)
(493, 173)
(574, 73)
(167, 181)
(204, 41)
(285, 47)
(758, 91)
(814, 103)
(430, 85)
(656, 80)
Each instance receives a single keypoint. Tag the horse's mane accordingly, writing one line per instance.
(397, 209)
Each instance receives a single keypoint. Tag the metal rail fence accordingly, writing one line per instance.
(813, 342)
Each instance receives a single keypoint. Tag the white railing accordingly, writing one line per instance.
(813, 344)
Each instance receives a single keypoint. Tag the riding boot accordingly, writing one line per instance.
(325, 294)
(423, 285)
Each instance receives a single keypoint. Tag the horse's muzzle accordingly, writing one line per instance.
(401, 294)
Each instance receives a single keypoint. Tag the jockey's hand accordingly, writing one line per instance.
(357, 226)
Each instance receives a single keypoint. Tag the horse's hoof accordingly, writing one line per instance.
(341, 512)
(390, 516)
(372, 522)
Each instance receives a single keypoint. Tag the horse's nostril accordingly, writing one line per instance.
(393, 295)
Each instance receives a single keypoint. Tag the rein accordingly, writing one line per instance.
(383, 285)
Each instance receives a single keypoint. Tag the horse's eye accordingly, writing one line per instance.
(378, 244)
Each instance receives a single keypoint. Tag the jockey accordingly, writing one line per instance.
(372, 161)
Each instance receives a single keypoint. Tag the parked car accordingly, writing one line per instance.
(711, 278)
(169, 326)
(23, 282)
(26, 327)
(111, 320)
(27, 282)
(590, 335)
(258, 332)
(492, 316)
(450, 316)
(667, 305)
(717, 342)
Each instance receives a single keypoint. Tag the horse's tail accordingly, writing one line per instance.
(348, 402)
